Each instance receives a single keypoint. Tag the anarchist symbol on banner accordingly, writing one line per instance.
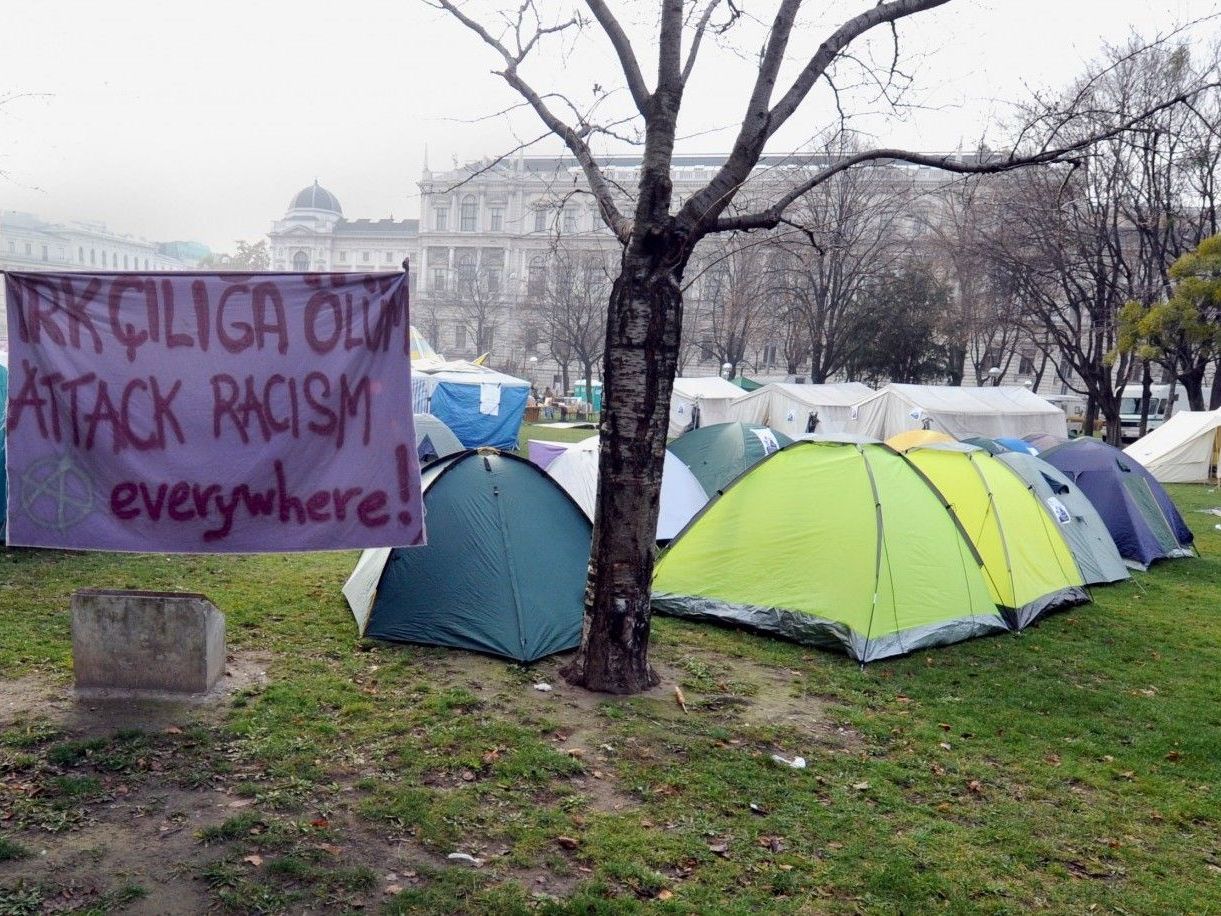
(55, 493)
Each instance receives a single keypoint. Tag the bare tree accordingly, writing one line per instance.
(853, 230)
(574, 304)
(985, 319)
(659, 235)
(477, 302)
(733, 276)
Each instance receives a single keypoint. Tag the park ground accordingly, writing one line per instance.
(1073, 769)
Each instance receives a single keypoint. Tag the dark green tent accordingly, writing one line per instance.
(719, 453)
(746, 384)
(503, 571)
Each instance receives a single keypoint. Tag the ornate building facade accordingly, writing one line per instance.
(28, 242)
(490, 233)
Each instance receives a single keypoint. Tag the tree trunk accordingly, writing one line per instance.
(642, 339)
(1214, 398)
(1193, 384)
(589, 388)
(564, 378)
(1091, 416)
(1146, 386)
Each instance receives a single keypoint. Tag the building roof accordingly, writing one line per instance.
(316, 197)
(377, 227)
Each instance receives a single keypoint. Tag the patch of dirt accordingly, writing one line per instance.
(97, 713)
(147, 839)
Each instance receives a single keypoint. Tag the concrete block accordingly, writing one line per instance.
(146, 642)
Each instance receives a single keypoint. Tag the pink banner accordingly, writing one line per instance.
(211, 413)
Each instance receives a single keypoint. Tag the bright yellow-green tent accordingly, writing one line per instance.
(1030, 567)
(911, 438)
(831, 543)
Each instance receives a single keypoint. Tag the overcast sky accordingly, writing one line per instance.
(201, 120)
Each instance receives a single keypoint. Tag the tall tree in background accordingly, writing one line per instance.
(733, 273)
(852, 231)
(574, 307)
(900, 329)
(658, 234)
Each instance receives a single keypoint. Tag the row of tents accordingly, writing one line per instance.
(836, 541)
(855, 409)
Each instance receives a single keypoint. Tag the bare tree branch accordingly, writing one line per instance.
(579, 148)
(770, 217)
(623, 48)
(698, 37)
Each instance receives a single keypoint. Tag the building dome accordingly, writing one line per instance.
(316, 197)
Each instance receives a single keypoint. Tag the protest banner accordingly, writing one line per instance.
(211, 413)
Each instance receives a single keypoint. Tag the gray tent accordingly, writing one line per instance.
(433, 439)
(1083, 528)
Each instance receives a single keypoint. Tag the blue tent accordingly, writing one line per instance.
(1136, 509)
(503, 571)
(481, 406)
(3, 408)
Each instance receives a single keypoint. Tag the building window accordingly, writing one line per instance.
(389, 257)
(466, 273)
(365, 256)
(440, 218)
(529, 338)
(536, 277)
(146, 263)
(44, 252)
(469, 214)
(460, 337)
(125, 262)
(92, 256)
(540, 220)
(570, 219)
(497, 219)
(491, 278)
(301, 262)
(438, 278)
(343, 256)
(80, 253)
(29, 249)
(1026, 365)
(769, 354)
(114, 260)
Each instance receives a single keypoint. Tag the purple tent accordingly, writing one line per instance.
(1136, 509)
(543, 451)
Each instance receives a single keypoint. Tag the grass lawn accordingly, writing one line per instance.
(1076, 768)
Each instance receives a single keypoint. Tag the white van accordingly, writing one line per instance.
(1160, 408)
(1073, 406)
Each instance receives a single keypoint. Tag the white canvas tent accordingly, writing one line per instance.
(576, 470)
(959, 412)
(1184, 449)
(788, 407)
(711, 395)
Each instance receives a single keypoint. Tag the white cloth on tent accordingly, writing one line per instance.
(489, 399)
(576, 470)
(1184, 449)
(958, 411)
(711, 394)
(786, 406)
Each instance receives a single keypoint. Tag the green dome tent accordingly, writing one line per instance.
(834, 543)
(1028, 564)
(503, 571)
(717, 454)
(1079, 522)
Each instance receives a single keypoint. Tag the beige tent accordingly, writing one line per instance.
(1184, 449)
(959, 412)
(711, 395)
(789, 407)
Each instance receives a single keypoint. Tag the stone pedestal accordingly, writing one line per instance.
(146, 642)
